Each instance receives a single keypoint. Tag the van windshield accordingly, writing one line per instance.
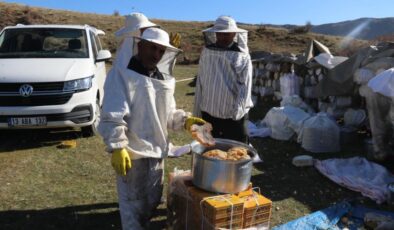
(43, 43)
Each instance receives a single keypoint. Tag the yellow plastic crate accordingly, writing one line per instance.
(222, 210)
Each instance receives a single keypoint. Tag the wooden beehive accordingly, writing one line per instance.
(223, 211)
(257, 208)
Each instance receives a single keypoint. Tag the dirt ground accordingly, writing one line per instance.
(43, 186)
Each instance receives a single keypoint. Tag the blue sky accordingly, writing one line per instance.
(248, 11)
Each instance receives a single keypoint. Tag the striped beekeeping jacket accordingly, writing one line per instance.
(224, 84)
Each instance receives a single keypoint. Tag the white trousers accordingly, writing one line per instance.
(139, 192)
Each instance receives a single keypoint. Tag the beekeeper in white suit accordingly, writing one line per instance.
(138, 109)
(224, 82)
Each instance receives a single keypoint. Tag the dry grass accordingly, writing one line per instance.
(45, 187)
(260, 38)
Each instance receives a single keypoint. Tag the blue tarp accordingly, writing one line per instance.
(329, 218)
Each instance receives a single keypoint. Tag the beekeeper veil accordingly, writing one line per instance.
(226, 24)
(159, 36)
(133, 24)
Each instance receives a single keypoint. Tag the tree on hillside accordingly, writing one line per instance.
(302, 29)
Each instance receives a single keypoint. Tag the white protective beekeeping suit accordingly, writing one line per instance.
(133, 23)
(224, 79)
(137, 113)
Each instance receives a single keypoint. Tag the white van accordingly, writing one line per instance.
(51, 76)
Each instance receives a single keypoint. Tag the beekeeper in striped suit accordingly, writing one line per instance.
(223, 89)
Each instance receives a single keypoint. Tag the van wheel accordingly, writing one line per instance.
(91, 130)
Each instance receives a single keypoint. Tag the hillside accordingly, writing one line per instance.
(362, 28)
(371, 28)
(260, 37)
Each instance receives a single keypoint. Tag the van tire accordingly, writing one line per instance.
(91, 130)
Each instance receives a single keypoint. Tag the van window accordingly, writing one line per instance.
(98, 42)
(94, 45)
(43, 43)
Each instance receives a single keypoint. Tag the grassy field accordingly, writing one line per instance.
(45, 187)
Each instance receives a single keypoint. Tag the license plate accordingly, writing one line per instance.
(27, 121)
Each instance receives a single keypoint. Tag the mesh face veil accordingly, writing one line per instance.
(158, 36)
(225, 24)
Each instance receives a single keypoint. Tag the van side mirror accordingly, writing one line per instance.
(103, 55)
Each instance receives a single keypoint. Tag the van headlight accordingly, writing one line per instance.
(78, 85)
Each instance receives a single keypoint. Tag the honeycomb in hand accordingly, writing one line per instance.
(202, 133)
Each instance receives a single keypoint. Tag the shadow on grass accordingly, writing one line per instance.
(83, 217)
(280, 180)
(20, 139)
(95, 216)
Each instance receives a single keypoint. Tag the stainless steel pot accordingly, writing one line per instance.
(221, 176)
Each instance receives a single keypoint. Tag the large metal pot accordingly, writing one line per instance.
(221, 176)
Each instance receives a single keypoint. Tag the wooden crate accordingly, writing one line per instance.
(193, 208)
(254, 220)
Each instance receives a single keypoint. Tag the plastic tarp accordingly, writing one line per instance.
(339, 80)
(277, 120)
(383, 83)
(296, 101)
(358, 174)
(314, 49)
(320, 134)
(330, 217)
(381, 63)
(354, 117)
(320, 220)
(256, 131)
(329, 61)
(363, 75)
(285, 121)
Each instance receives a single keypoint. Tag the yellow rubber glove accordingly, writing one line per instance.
(175, 39)
(120, 161)
(193, 120)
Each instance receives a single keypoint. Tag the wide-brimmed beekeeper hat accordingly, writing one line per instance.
(225, 24)
(133, 22)
(158, 36)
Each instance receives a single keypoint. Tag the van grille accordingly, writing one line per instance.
(35, 100)
(44, 86)
(44, 93)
